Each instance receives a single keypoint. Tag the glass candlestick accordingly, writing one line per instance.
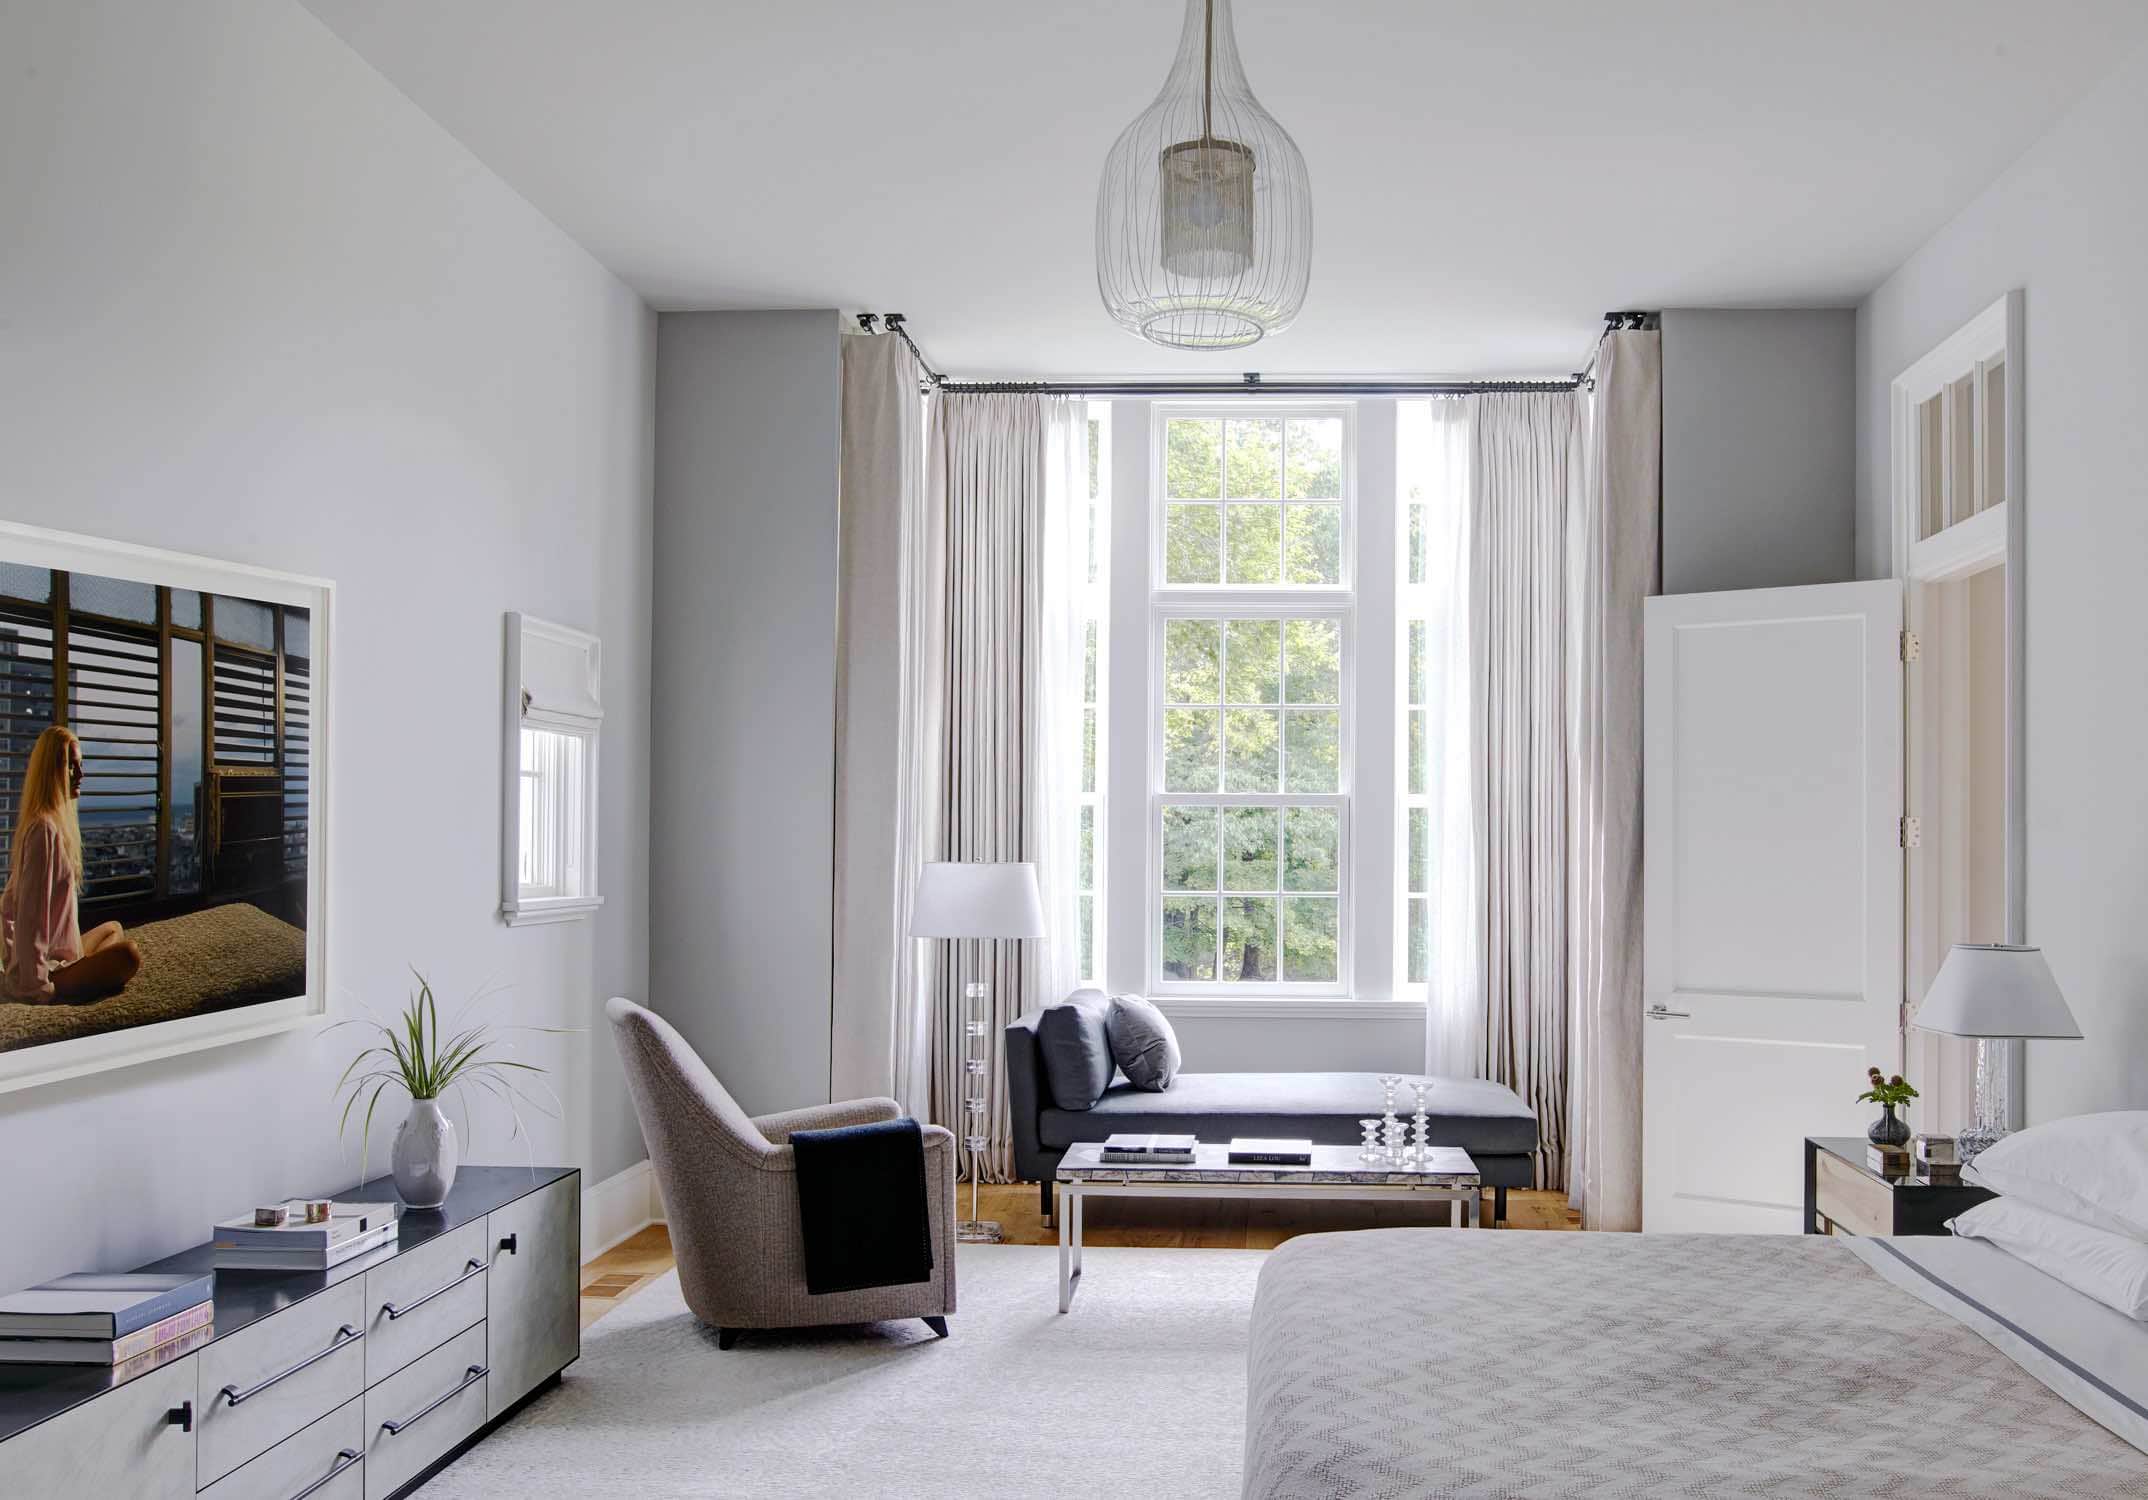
(1371, 1151)
(1421, 1123)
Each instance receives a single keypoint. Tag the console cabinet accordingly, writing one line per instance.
(354, 1384)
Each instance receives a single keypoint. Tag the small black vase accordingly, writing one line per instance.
(1888, 1129)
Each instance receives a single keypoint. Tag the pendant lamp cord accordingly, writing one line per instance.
(1208, 76)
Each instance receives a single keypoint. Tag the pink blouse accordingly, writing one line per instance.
(37, 916)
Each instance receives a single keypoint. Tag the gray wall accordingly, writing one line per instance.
(257, 305)
(742, 846)
(2066, 223)
(1759, 448)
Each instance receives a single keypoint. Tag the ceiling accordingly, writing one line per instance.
(1488, 180)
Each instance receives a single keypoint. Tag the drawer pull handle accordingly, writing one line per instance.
(470, 1377)
(470, 1268)
(181, 1417)
(233, 1395)
(344, 1459)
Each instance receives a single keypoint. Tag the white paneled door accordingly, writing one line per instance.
(1772, 966)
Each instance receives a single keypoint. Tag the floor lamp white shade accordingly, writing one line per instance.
(979, 901)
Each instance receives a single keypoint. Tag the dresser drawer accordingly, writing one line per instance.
(264, 1383)
(421, 1411)
(325, 1461)
(121, 1443)
(420, 1300)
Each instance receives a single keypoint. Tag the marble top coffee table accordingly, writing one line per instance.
(1445, 1175)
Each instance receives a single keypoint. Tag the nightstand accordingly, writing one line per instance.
(1844, 1196)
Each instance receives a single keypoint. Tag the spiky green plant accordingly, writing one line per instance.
(427, 1061)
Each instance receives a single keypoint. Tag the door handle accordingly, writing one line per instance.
(1661, 1012)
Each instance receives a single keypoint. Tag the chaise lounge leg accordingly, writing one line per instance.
(1499, 1205)
(1044, 1199)
(938, 1326)
(726, 1337)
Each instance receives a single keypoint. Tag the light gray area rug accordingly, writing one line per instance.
(1142, 1384)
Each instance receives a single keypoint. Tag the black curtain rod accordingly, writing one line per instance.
(1249, 384)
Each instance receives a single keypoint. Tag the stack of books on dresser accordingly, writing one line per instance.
(95, 1319)
(350, 1230)
(1148, 1150)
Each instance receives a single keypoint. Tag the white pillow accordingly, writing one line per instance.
(2112, 1268)
(2091, 1168)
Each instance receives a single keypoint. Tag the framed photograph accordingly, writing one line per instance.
(164, 732)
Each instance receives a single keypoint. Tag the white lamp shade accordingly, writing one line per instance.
(1996, 991)
(977, 901)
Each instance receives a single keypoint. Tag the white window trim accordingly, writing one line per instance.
(554, 682)
(1160, 601)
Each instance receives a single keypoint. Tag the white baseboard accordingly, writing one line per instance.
(621, 1205)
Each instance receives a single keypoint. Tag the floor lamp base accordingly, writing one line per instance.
(980, 1232)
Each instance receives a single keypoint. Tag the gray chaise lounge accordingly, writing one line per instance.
(1488, 1120)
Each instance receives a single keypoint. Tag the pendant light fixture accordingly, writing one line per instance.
(1204, 220)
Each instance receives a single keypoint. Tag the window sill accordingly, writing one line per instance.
(560, 909)
(1284, 1008)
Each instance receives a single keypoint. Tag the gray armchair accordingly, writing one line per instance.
(731, 1197)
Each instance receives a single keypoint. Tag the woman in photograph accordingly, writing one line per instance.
(49, 959)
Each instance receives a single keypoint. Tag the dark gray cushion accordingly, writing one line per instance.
(1142, 1043)
(1472, 1113)
(1077, 1053)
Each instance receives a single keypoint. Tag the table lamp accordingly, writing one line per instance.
(1994, 991)
(980, 902)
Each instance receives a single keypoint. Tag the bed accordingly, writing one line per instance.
(1415, 1362)
(208, 960)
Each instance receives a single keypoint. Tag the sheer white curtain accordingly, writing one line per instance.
(1436, 438)
(1006, 471)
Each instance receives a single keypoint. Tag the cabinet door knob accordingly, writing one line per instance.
(181, 1416)
(508, 1244)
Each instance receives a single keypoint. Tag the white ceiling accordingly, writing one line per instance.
(1488, 179)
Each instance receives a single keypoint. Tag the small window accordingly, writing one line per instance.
(554, 714)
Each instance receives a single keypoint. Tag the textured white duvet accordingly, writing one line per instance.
(1415, 1362)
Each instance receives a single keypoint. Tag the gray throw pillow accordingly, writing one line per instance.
(1077, 1055)
(1142, 1043)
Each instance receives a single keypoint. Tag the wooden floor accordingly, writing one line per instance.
(1199, 1223)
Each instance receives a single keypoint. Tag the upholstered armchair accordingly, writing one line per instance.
(731, 1196)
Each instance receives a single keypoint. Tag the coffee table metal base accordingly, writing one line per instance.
(1074, 1191)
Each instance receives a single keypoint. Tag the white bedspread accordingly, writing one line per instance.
(1415, 1362)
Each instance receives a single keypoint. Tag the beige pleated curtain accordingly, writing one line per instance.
(958, 728)
(1556, 547)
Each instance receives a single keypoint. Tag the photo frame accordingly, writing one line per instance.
(200, 696)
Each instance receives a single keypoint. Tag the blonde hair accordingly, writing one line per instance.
(45, 795)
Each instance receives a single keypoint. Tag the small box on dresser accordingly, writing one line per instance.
(352, 1384)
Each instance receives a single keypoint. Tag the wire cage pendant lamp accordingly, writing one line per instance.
(1204, 218)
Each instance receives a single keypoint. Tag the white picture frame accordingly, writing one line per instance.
(51, 1062)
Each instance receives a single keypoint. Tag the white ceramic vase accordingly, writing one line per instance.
(426, 1155)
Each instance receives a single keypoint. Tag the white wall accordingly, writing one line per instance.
(742, 851)
(254, 304)
(1759, 448)
(2069, 223)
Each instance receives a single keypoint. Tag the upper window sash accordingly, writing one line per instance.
(1275, 514)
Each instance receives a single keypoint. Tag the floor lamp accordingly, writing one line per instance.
(982, 903)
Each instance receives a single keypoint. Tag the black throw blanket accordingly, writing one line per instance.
(861, 1203)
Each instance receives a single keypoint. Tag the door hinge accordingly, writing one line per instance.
(1911, 833)
(1912, 648)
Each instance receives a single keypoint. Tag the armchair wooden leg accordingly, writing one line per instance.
(726, 1337)
(938, 1326)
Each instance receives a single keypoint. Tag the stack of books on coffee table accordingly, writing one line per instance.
(351, 1230)
(91, 1318)
(1148, 1150)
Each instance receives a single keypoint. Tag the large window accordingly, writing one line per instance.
(1251, 615)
